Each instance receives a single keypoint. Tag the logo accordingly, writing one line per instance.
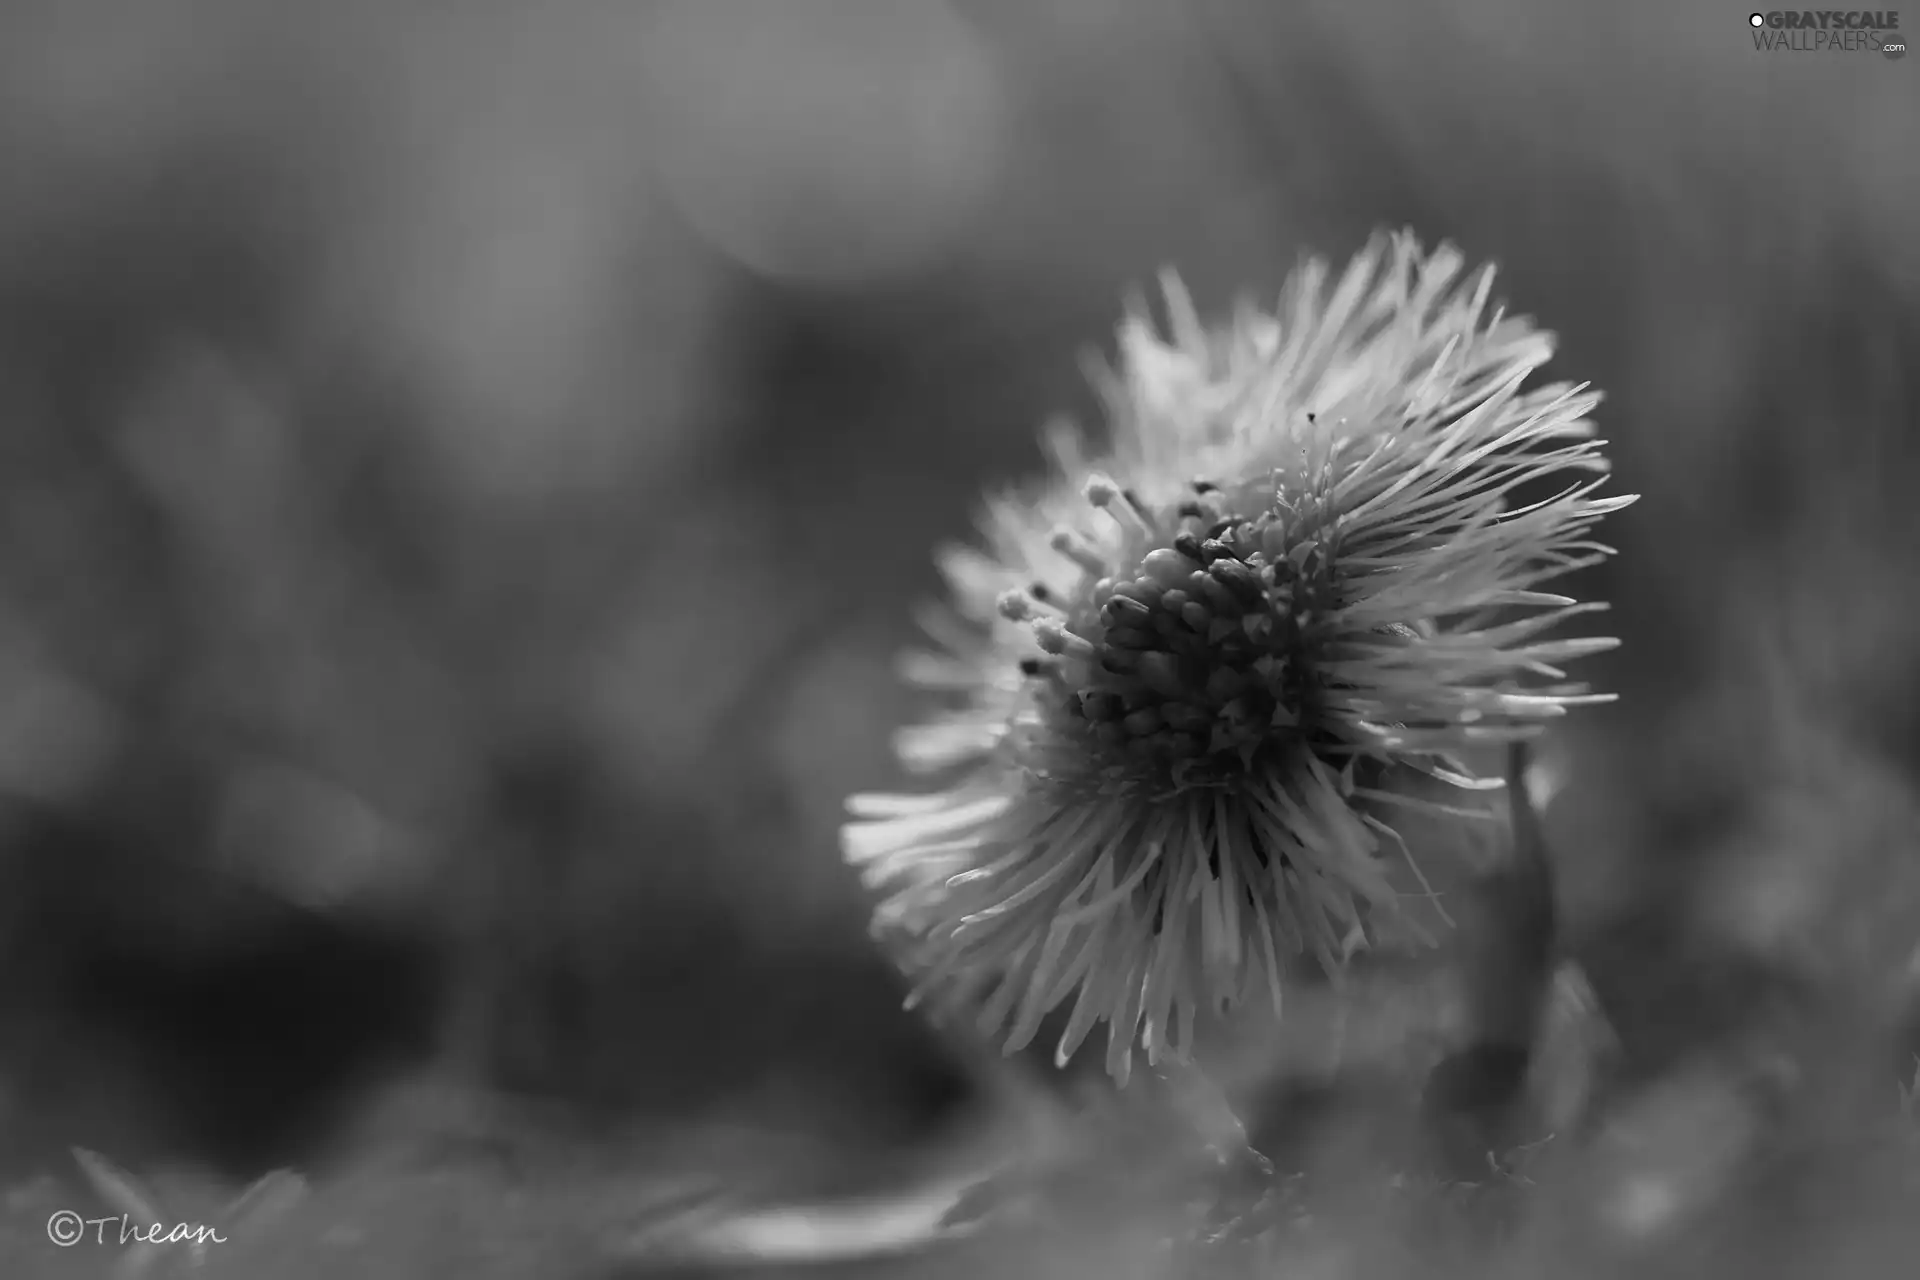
(1829, 31)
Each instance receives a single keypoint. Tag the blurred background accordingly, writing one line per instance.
(467, 469)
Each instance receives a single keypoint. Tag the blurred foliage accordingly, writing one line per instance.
(466, 472)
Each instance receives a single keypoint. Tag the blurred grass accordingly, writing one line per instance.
(463, 478)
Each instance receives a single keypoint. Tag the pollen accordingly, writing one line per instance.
(1195, 661)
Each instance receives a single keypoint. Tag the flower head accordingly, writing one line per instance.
(1189, 670)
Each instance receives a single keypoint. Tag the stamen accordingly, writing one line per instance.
(1118, 503)
(1069, 546)
(1016, 606)
(1057, 640)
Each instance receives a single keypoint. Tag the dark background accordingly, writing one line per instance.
(466, 471)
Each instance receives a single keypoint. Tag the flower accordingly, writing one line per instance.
(1194, 673)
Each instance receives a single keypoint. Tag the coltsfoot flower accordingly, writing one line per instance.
(1193, 671)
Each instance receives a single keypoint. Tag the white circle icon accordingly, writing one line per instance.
(1756, 19)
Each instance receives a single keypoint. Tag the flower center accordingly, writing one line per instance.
(1187, 669)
